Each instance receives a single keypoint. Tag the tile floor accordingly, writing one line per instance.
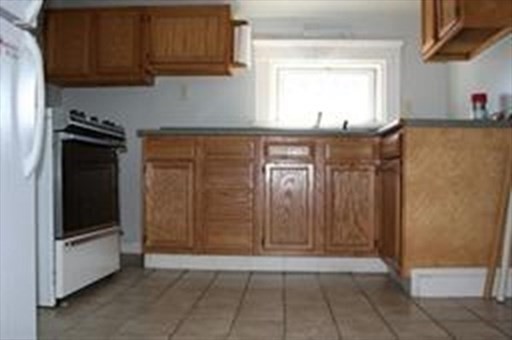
(195, 305)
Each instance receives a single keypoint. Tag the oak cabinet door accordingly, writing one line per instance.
(288, 208)
(228, 206)
(350, 208)
(68, 43)
(390, 237)
(169, 206)
(119, 51)
(189, 39)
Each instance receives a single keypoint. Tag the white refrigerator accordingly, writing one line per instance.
(21, 137)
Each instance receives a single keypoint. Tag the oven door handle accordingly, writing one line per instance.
(65, 136)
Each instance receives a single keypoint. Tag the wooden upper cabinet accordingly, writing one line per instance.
(169, 206)
(288, 208)
(460, 29)
(68, 43)
(429, 31)
(190, 39)
(95, 47)
(350, 208)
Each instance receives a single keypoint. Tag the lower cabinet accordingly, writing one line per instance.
(390, 241)
(350, 208)
(288, 208)
(169, 205)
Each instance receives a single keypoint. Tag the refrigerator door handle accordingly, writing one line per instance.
(31, 161)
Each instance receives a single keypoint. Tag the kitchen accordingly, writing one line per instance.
(221, 105)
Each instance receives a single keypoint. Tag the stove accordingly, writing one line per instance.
(78, 121)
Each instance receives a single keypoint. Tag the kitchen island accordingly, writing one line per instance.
(420, 194)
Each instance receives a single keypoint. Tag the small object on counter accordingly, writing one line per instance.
(479, 101)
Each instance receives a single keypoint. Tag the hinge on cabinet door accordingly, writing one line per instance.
(263, 242)
(263, 169)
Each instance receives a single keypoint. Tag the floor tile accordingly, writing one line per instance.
(423, 330)
(464, 330)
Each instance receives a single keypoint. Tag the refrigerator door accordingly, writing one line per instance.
(19, 112)
(22, 12)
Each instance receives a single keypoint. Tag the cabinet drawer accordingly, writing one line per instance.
(290, 150)
(229, 147)
(391, 146)
(169, 148)
(353, 149)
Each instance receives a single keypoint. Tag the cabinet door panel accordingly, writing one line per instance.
(189, 35)
(118, 42)
(289, 207)
(169, 209)
(68, 43)
(228, 206)
(350, 211)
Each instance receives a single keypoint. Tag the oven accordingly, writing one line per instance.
(86, 184)
(77, 203)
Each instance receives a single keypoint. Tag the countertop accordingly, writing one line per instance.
(356, 132)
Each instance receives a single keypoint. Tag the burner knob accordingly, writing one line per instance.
(94, 119)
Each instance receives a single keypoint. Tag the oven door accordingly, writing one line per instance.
(86, 185)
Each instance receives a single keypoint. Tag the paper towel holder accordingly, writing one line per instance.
(242, 44)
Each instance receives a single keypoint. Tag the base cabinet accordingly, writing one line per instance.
(350, 208)
(288, 208)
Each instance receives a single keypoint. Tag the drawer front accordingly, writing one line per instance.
(229, 147)
(391, 146)
(353, 149)
(156, 148)
(301, 150)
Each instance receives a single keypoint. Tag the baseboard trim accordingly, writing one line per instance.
(131, 248)
(452, 282)
(266, 263)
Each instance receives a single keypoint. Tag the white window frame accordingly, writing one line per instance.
(385, 55)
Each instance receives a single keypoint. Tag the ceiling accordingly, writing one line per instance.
(272, 8)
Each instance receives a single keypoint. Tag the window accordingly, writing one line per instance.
(296, 84)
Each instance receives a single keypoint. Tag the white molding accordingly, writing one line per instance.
(451, 282)
(265, 263)
(131, 248)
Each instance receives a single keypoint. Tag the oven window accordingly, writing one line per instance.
(90, 188)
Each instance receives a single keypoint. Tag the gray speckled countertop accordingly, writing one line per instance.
(355, 132)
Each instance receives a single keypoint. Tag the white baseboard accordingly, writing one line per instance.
(131, 248)
(452, 282)
(266, 263)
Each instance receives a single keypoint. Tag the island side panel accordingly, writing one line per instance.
(453, 188)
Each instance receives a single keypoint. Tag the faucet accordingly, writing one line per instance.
(318, 120)
(345, 125)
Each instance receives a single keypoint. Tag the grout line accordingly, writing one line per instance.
(434, 320)
(482, 319)
(194, 305)
(239, 307)
(329, 305)
(374, 307)
(283, 292)
(135, 282)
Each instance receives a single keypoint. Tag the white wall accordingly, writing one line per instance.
(490, 72)
(229, 101)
